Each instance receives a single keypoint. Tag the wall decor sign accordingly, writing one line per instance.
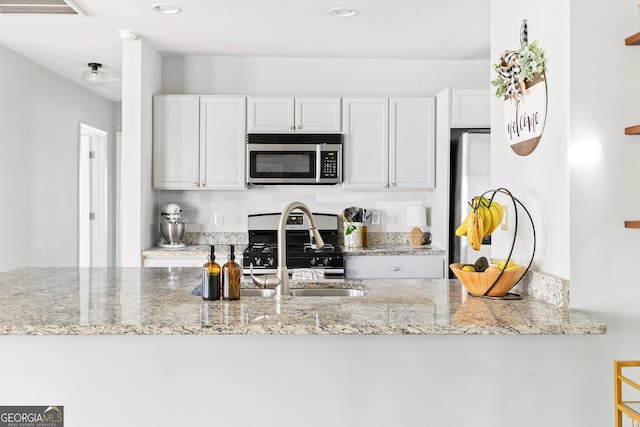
(522, 83)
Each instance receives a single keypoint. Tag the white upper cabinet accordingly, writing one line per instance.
(389, 143)
(470, 108)
(412, 143)
(222, 142)
(366, 143)
(318, 115)
(199, 142)
(176, 142)
(289, 114)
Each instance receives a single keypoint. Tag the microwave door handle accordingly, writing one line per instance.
(318, 158)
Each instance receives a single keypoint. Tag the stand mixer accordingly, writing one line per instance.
(171, 228)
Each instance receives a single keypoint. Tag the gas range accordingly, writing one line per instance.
(262, 250)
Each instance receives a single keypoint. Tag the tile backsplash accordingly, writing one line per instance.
(199, 207)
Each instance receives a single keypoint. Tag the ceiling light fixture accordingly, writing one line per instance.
(94, 76)
(166, 9)
(343, 12)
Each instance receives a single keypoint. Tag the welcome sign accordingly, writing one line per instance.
(525, 117)
(522, 83)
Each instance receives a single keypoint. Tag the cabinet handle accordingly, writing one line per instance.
(395, 268)
(299, 127)
(196, 184)
(203, 184)
(292, 127)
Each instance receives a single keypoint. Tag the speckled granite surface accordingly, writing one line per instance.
(221, 250)
(156, 301)
(375, 238)
(216, 238)
(195, 250)
(379, 250)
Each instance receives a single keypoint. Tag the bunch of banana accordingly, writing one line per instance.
(502, 264)
(484, 217)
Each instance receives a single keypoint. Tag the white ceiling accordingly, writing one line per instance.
(415, 29)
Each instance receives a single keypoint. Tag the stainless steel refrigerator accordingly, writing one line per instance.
(470, 175)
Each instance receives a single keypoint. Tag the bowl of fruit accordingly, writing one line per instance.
(483, 279)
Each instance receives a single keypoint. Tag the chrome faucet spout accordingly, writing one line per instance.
(282, 291)
(281, 280)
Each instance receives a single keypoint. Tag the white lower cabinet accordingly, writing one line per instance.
(394, 267)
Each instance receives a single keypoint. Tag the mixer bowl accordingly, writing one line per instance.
(172, 232)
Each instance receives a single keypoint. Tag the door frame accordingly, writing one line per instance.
(93, 245)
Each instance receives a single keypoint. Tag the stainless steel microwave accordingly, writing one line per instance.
(294, 158)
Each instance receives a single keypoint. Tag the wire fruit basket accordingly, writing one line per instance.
(496, 285)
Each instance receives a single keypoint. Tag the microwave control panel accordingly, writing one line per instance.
(329, 164)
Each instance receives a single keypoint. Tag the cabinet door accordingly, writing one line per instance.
(176, 142)
(222, 142)
(366, 143)
(270, 115)
(394, 267)
(470, 108)
(318, 115)
(412, 146)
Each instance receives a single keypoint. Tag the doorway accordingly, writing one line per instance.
(93, 207)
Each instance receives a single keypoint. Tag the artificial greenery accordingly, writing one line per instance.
(531, 61)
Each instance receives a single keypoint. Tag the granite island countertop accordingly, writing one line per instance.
(159, 301)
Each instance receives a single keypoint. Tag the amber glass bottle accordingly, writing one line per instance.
(211, 281)
(231, 277)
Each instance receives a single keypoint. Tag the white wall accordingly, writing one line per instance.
(305, 76)
(140, 81)
(40, 115)
(605, 167)
(316, 76)
(540, 180)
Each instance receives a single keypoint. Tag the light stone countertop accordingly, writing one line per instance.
(194, 250)
(221, 250)
(393, 250)
(159, 301)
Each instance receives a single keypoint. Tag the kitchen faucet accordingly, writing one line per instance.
(281, 279)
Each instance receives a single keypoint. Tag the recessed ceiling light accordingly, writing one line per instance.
(343, 12)
(167, 9)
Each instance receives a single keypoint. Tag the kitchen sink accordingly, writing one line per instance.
(326, 292)
(257, 292)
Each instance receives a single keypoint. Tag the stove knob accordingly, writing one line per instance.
(327, 261)
(270, 261)
(258, 261)
(313, 261)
